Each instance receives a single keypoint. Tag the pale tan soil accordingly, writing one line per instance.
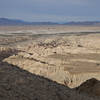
(67, 58)
(50, 28)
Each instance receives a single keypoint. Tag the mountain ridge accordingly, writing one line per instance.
(7, 21)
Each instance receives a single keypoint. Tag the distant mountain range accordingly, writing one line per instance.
(83, 23)
(6, 21)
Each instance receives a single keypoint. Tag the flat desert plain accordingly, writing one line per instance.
(50, 62)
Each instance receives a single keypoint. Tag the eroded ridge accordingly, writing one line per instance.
(66, 59)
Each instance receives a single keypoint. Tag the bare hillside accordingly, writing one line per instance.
(51, 63)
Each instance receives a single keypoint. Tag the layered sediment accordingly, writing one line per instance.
(68, 59)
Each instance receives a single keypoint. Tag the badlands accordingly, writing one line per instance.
(50, 62)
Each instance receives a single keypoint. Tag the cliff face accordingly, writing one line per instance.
(48, 65)
(18, 84)
(66, 59)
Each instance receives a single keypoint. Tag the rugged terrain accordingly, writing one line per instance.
(56, 61)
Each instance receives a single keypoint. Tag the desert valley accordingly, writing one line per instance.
(50, 62)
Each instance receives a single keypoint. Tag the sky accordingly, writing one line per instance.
(51, 10)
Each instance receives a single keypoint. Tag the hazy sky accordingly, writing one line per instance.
(51, 10)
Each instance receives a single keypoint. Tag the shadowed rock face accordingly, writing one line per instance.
(90, 87)
(6, 52)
